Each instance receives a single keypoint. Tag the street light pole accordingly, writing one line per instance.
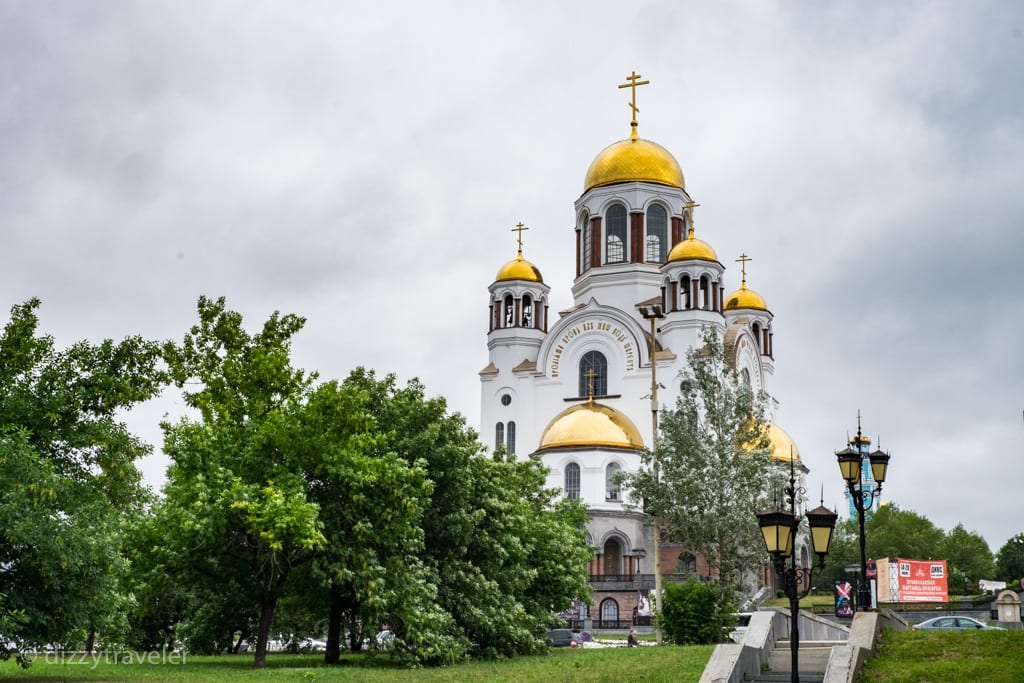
(864, 487)
(779, 527)
(654, 312)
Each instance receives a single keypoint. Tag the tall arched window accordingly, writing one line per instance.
(527, 311)
(499, 435)
(572, 481)
(511, 442)
(612, 558)
(593, 373)
(586, 243)
(657, 234)
(745, 377)
(705, 293)
(609, 610)
(687, 564)
(685, 296)
(611, 486)
(509, 313)
(755, 329)
(615, 240)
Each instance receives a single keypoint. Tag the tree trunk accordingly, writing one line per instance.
(334, 613)
(90, 641)
(266, 617)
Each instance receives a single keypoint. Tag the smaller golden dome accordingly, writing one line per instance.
(782, 449)
(692, 248)
(745, 298)
(593, 425)
(634, 160)
(519, 269)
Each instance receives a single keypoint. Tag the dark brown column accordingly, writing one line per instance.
(579, 241)
(636, 238)
(677, 231)
(595, 241)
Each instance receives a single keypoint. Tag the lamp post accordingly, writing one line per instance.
(654, 312)
(864, 486)
(779, 527)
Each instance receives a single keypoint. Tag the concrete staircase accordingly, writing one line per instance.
(813, 659)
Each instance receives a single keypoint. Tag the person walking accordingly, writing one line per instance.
(631, 641)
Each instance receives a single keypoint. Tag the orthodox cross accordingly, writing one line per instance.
(690, 205)
(590, 375)
(742, 260)
(634, 81)
(519, 228)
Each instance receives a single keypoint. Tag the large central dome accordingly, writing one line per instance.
(591, 425)
(634, 160)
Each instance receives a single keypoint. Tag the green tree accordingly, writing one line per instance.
(715, 469)
(892, 532)
(1010, 559)
(968, 558)
(503, 554)
(67, 480)
(697, 613)
(236, 495)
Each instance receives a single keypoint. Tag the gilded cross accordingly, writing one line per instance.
(519, 228)
(743, 267)
(634, 81)
(590, 375)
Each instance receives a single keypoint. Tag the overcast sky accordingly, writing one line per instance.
(363, 163)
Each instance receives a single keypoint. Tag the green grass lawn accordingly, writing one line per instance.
(948, 657)
(614, 665)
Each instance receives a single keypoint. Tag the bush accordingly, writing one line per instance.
(695, 613)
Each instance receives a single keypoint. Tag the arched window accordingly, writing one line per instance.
(609, 610)
(499, 435)
(687, 564)
(685, 297)
(509, 316)
(755, 329)
(527, 311)
(572, 481)
(612, 558)
(657, 233)
(745, 377)
(511, 443)
(593, 373)
(705, 293)
(586, 243)
(610, 485)
(615, 242)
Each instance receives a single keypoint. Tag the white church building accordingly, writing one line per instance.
(574, 386)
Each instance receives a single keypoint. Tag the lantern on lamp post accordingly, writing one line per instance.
(779, 528)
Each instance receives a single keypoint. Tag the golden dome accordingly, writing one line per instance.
(782, 448)
(519, 269)
(591, 424)
(634, 160)
(692, 248)
(745, 298)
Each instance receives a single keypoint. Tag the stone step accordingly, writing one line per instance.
(815, 659)
(784, 677)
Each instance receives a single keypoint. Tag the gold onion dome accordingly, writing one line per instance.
(745, 298)
(519, 269)
(692, 248)
(634, 160)
(782, 446)
(592, 425)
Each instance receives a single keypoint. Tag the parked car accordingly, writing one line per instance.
(954, 624)
(563, 637)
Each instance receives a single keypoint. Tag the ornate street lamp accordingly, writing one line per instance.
(864, 492)
(779, 527)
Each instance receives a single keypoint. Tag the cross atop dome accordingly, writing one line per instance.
(634, 82)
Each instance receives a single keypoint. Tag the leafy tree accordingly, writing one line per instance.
(235, 491)
(892, 532)
(1010, 559)
(968, 558)
(714, 465)
(67, 480)
(501, 555)
(696, 613)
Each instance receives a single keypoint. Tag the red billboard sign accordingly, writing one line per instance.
(912, 581)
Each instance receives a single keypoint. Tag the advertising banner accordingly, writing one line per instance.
(844, 599)
(922, 580)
